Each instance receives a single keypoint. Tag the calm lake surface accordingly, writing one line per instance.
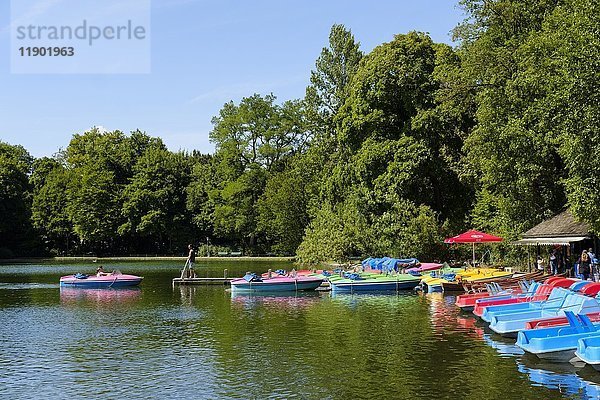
(161, 341)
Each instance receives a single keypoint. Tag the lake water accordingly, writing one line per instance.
(167, 342)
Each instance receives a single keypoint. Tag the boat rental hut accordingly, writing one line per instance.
(563, 233)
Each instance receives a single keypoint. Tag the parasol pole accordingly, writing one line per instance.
(473, 253)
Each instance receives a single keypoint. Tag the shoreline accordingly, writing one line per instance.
(143, 258)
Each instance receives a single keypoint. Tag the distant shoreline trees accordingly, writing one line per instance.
(387, 153)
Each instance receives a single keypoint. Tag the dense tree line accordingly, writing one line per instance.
(387, 152)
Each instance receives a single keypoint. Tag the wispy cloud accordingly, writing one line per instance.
(37, 10)
(32, 10)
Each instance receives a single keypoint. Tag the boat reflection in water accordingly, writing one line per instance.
(381, 300)
(574, 380)
(275, 300)
(119, 295)
(446, 318)
(568, 379)
(506, 347)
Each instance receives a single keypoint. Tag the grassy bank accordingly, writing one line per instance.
(142, 258)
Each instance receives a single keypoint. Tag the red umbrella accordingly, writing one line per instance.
(473, 237)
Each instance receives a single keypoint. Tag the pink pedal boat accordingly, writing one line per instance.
(254, 283)
(112, 280)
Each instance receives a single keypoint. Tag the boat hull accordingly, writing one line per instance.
(452, 287)
(588, 351)
(554, 344)
(466, 302)
(561, 356)
(275, 285)
(373, 286)
(435, 289)
(101, 282)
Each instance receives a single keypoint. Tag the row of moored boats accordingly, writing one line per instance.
(557, 319)
(372, 275)
(376, 275)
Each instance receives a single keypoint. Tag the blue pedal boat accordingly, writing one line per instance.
(556, 297)
(510, 323)
(531, 290)
(558, 343)
(588, 351)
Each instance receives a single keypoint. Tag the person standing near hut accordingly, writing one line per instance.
(561, 259)
(594, 265)
(540, 263)
(553, 263)
(585, 265)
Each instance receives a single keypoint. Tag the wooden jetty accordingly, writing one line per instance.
(203, 281)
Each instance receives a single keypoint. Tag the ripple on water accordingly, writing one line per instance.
(27, 286)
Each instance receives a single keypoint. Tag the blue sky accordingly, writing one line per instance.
(204, 53)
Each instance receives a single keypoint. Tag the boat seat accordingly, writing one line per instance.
(580, 322)
(563, 282)
(572, 302)
(542, 293)
(574, 322)
(592, 289)
(586, 322)
(578, 286)
(534, 288)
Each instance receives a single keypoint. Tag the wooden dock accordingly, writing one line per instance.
(196, 280)
(201, 281)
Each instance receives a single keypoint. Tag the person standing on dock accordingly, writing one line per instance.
(188, 269)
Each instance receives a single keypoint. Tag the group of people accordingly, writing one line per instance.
(586, 266)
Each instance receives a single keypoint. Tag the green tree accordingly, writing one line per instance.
(258, 132)
(560, 67)
(94, 206)
(201, 192)
(51, 181)
(283, 210)
(16, 235)
(327, 238)
(330, 80)
(102, 166)
(293, 195)
(397, 113)
(398, 138)
(253, 140)
(532, 69)
(114, 150)
(155, 199)
(236, 207)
